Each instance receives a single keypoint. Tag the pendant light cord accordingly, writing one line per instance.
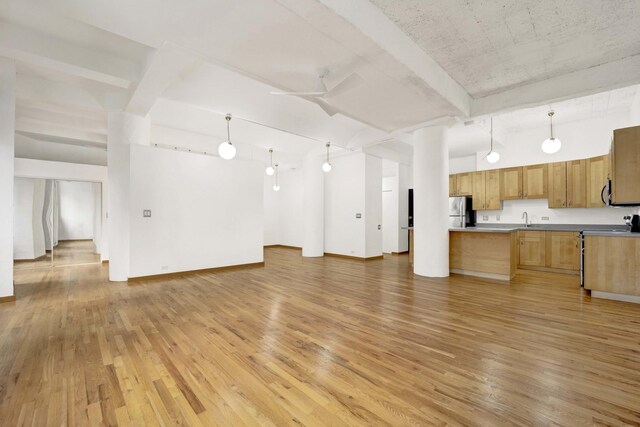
(491, 151)
(328, 145)
(228, 118)
(551, 123)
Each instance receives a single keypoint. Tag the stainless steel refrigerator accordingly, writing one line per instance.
(461, 213)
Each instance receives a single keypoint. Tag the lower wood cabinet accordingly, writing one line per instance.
(549, 250)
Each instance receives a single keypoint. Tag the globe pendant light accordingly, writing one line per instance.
(276, 186)
(226, 150)
(270, 170)
(551, 145)
(326, 166)
(492, 156)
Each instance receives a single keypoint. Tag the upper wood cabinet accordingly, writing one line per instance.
(577, 184)
(534, 181)
(511, 183)
(464, 184)
(625, 165)
(492, 190)
(453, 189)
(478, 179)
(597, 170)
(557, 185)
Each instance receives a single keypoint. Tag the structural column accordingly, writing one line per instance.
(313, 240)
(124, 130)
(430, 202)
(7, 151)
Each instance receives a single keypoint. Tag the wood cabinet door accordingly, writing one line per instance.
(464, 184)
(532, 248)
(557, 186)
(563, 250)
(453, 189)
(534, 181)
(478, 191)
(597, 176)
(492, 190)
(511, 183)
(626, 166)
(577, 184)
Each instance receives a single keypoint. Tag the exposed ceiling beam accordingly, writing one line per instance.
(609, 76)
(44, 51)
(28, 125)
(60, 140)
(165, 66)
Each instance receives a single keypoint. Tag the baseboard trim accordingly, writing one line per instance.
(76, 240)
(283, 246)
(548, 270)
(355, 258)
(616, 297)
(133, 280)
(399, 253)
(10, 298)
(494, 276)
(40, 258)
(105, 261)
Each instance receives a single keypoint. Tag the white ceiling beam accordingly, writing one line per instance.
(605, 77)
(165, 66)
(39, 127)
(28, 46)
(372, 22)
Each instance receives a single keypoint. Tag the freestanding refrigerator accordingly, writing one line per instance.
(461, 213)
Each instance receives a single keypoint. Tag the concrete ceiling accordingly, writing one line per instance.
(187, 63)
(492, 46)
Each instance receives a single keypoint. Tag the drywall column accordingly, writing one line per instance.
(7, 150)
(124, 130)
(313, 209)
(430, 202)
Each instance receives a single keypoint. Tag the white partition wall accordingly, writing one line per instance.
(7, 147)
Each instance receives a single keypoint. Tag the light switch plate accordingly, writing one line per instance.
(497, 217)
(485, 217)
(358, 215)
(146, 213)
(544, 218)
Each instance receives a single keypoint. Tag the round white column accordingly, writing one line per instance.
(313, 241)
(7, 147)
(430, 202)
(123, 130)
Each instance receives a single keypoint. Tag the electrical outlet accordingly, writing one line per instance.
(146, 213)
(358, 215)
(544, 218)
(497, 217)
(485, 217)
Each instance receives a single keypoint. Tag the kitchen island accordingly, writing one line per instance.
(484, 252)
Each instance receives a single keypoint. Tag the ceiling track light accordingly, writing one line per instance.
(326, 166)
(551, 145)
(492, 156)
(270, 170)
(276, 186)
(226, 150)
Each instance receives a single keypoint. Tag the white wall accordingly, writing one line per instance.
(77, 202)
(463, 164)
(271, 212)
(28, 228)
(206, 212)
(390, 214)
(73, 172)
(283, 210)
(354, 186)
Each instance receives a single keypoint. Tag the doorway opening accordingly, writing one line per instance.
(56, 223)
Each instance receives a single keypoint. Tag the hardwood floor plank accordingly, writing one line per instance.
(317, 341)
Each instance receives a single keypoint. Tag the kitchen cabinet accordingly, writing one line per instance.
(562, 250)
(557, 185)
(577, 184)
(625, 166)
(534, 181)
(597, 174)
(492, 199)
(453, 189)
(532, 248)
(479, 183)
(511, 183)
(611, 265)
(464, 184)
(483, 254)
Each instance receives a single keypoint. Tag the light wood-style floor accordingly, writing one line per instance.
(323, 341)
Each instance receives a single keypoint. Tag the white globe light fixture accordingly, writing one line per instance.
(492, 156)
(551, 145)
(326, 166)
(276, 186)
(270, 170)
(226, 150)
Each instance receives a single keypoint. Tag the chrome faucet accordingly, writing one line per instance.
(525, 215)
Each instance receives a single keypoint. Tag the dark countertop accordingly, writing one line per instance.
(610, 233)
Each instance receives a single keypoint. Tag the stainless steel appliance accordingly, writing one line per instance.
(461, 213)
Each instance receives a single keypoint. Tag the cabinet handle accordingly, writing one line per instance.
(569, 203)
(519, 193)
(563, 204)
(525, 194)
